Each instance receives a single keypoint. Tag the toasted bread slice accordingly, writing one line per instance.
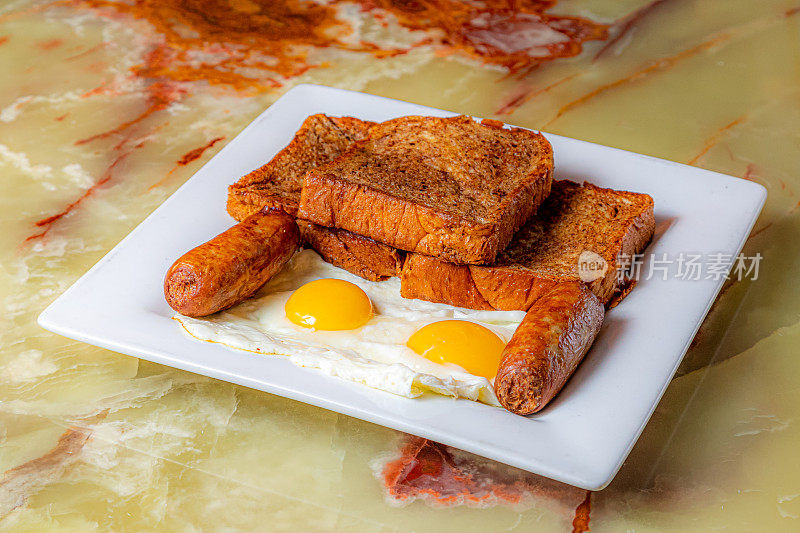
(446, 187)
(277, 184)
(362, 256)
(319, 140)
(606, 224)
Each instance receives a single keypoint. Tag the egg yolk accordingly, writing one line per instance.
(329, 304)
(471, 346)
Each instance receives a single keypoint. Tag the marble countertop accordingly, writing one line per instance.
(107, 107)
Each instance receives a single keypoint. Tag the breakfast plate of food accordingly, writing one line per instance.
(493, 288)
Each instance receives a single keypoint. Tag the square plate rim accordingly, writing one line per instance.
(592, 479)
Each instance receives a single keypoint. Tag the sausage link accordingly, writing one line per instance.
(233, 265)
(555, 334)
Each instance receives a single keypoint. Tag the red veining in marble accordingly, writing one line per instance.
(518, 35)
(100, 89)
(213, 40)
(277, 35)
(580, 524)
(123, 149)
(435, 473)
(69, 444)
(528, 94)
(49, 44)
(751, 171)
(191, 155)
(425, 467)
(670, 61)
(160, 95)
(87, 52)
(18, 483)
(625, 25)
(224, 42)
(768, 225)
(712, 141)
(659, 65)
(3, 40)
(187, 158)
(96, 67)
(47, 222)
(619, 30)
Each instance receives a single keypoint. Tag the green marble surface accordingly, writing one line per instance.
(94, 440)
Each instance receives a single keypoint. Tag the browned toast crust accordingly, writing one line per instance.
(471, 286)
(445, 187)
(319, 140)
(362, 256)
(544, 252)
(277, 184)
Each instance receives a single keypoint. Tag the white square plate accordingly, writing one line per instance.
(584, 435)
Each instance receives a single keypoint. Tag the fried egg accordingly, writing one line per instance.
(326, 318)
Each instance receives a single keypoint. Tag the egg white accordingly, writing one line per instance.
(375, 354)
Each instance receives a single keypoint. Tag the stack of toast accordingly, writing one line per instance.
(388, 227)
(465, 213)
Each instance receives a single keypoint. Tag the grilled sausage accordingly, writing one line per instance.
(555, 334)
(233, 265)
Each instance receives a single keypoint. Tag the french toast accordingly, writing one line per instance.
(359, 255)
(319, 140)
(277, 184)
(451, 188)
(574, 219)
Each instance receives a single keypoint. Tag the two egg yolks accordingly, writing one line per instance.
(335, 304)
